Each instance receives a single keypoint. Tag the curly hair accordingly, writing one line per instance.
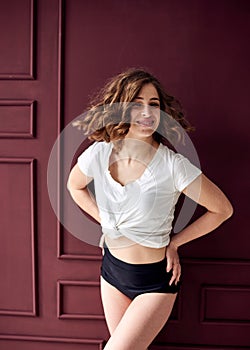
(108, 116)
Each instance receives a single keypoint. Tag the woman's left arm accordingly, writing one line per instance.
(206, 193)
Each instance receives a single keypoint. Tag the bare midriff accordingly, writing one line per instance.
(126, 250)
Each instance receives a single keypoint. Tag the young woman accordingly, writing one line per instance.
(137, 181)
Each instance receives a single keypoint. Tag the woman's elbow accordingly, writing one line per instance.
(76, 180)
(231, 210)
(227, 210)
(70, 183)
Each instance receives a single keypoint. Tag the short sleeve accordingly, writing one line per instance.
(184, 172)
(86, 160)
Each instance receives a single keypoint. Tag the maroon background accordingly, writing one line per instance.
(53, 56)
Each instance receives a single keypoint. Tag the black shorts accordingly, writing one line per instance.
(135, 279)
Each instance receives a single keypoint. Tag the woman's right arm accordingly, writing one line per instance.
(77, 186)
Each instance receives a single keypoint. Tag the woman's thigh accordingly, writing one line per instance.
(114, 303)
(142, 321)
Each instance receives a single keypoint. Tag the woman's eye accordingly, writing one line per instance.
(137, 104)
(154, 105)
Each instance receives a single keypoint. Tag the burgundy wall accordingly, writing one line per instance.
(49, 296)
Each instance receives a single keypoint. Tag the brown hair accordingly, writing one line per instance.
(107, 118)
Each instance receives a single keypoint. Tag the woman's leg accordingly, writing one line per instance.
(141, 322)
(114, 303)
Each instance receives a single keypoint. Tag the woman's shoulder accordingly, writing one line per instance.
(167, 152)
(170, 153)
(94, 155)
(171, 158)
(95, 150)
(98, 146)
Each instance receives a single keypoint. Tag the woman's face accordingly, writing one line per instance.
(145, 113)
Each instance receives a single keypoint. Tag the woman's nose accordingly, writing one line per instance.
(146, 113)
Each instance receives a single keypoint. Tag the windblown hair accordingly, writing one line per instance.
(108, 117)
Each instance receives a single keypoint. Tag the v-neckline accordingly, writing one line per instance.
(117, 183)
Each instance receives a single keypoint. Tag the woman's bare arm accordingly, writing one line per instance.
(206, 193)
(77, 186)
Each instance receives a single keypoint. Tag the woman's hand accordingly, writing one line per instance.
(173, 262)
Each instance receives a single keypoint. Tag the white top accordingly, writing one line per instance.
(142, 210)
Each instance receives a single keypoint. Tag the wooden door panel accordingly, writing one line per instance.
(28, 128)
(17, 119)
(69, 247)
(46, 343)
(17, 250)
(17, 49)
(214, 304)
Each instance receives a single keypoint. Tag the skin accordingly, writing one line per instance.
(126, 319)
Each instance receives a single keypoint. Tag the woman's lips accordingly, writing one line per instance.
(146, 122)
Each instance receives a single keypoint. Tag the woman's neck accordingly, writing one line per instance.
(138, 149)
